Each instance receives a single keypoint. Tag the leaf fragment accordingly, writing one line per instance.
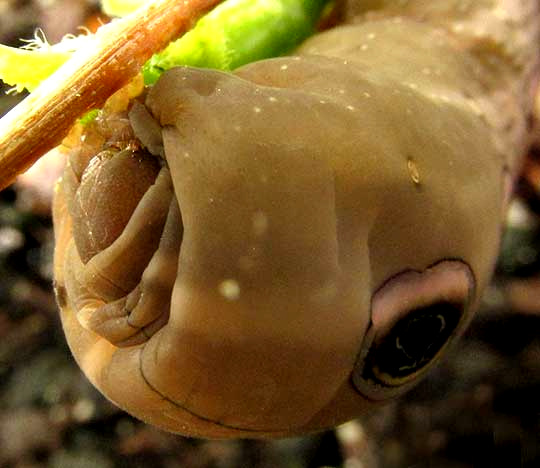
(121, 7)
(26, 69)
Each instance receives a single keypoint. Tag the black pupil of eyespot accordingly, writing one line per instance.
(413, 341)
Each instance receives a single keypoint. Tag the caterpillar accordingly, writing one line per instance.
(281, 249)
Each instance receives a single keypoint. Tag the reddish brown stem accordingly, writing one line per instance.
(85, 82)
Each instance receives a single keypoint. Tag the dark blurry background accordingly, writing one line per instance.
(479, 408)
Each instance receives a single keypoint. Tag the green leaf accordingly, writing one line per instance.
(23, 68)
(89, 117)
(237, 32)
(28, 66)
(121, 7)
(234, 33)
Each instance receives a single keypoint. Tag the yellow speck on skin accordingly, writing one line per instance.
(413, 171)
(229, 289)
(260, 223)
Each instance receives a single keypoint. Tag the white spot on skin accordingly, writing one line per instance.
(257, 110)
(260, 223)
(364, 47)
(371, 36)
(284, 67)
(479, 33)
(366, 94)
(475, 108)
(341, 91)
(229, 289)
(272, 99)
(501, 13)
(351, 108)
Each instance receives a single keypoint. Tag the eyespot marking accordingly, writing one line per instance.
(414, 316)
(412, 343)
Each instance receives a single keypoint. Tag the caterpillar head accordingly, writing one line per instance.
(279, 251)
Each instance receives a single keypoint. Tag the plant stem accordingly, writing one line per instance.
(85, 82)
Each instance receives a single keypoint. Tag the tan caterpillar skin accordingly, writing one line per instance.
(279, 250)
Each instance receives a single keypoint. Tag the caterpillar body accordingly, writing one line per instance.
(278, 250)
